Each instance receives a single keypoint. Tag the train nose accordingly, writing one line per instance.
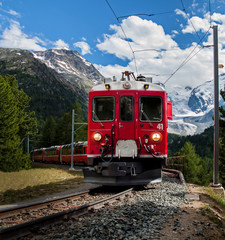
(126, 148)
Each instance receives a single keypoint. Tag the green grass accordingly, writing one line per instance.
(36, 182)
(216, 198)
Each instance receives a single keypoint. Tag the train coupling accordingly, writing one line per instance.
(119, 169)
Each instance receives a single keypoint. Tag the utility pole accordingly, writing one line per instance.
(216, 111)
(216, 186)
(72, 142)
(72, 138)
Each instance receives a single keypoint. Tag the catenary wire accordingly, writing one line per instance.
(146, 14)
(210, 13)
(188, 58)
(190, 20)
(124, 34)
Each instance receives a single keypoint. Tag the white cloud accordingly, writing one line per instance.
(85, 48)
(60, 44)
(198, 23)
(13, 37)
(182, 13)
(144, 34)
(111, 70)
(14, 13)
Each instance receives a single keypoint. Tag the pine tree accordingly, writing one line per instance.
(80, 131)
(49, 132)
(27, 120)
(64, 127)
(14, 124)
(9, 128)
(193, 169)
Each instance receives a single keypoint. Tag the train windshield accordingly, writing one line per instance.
(103, 109)
(150, 109)
(127, 108)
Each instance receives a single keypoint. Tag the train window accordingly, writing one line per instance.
(127, 108)
(38, 153)
(50, 152)
(150, 109)
(103, 109)
(80, 149)
(84, 150)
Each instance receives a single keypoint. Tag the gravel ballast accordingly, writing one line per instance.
(139, 216)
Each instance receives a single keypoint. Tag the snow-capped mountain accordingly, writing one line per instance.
(63, 77)
(193, 109)
(72, 66)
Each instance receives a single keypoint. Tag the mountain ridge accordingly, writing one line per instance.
(194, 109)
(56, 78)
(51, 93)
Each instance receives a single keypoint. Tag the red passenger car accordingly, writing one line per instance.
(61, 154)
(79, 153)
(37, 155)
(127, 132)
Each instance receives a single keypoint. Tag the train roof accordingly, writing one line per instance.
(129, 84)
(75, 144)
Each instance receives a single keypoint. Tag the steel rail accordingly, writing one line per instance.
(9, 211)
(175, 172)
(32, 226)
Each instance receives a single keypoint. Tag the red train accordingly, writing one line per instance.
(61, 154)
(127, 132)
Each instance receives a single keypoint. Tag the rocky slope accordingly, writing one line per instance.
(54, 79)
(71, 66)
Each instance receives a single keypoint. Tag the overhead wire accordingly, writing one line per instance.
(210, 13)
(188, 58)
(146, 14)
(124, 34)
(190, 20)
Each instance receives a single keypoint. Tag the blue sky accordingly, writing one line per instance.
(90, 27)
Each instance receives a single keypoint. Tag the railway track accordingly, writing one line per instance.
(23, 220)
(26, 219)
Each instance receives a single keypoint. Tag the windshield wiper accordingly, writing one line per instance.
(96, 116)
(145, 115)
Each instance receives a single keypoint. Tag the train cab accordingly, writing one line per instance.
(127, 132)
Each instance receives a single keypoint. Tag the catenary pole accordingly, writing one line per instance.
(72, 140)
(216, 110)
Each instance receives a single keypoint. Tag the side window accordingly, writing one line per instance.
(150, 109)
(103, 109)
(127, 108)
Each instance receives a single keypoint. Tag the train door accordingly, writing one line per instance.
(126, 123)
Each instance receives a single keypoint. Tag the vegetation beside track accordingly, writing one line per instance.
(36, 182)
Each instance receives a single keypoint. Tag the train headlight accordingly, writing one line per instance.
(126, 85)
(156, 137)
(97, 137)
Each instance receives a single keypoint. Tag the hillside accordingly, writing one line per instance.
(50, 91)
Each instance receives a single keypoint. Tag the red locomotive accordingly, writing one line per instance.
(127, 132)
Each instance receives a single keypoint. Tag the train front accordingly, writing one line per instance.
(127, 132)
